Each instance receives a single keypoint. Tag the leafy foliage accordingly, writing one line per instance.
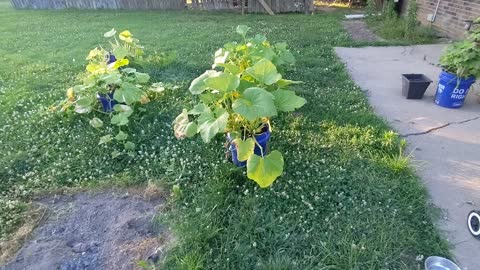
(389, 12)
(107, 77)
(411, 19)
(371, 9)
(463, 58)
(128, 47)
(240, 99)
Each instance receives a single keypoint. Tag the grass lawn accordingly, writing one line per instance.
(347, 200)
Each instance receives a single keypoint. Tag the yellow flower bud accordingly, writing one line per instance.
(144, 100)
(70, 94)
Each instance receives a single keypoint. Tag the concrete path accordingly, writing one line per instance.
(448, 158)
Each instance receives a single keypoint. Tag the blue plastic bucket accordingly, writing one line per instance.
(452, 90)
(261, 138)
(110, 58)
(107, 102)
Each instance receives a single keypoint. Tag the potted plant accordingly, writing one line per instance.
(125, 47)
(461, 66)
(238, 97)
(118, 88)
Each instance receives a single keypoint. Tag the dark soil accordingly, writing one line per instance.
(359, 30)
(106, 230)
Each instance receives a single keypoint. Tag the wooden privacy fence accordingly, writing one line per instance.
(254, 6)
(215, 4)
(279, 6)
(99, 4)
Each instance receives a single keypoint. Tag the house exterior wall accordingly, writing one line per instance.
(451, 15)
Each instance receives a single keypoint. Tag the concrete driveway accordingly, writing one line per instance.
(445, 142)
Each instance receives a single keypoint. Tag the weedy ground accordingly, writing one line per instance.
(343, 202)
(394, 29)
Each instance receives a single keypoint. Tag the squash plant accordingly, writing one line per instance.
(238, 96)
(108, 77)
(126, 46)
(463, 58)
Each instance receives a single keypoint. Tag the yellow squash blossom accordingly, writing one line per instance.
(96, 69)
(94, 53)
(120, 63)
(126, 36)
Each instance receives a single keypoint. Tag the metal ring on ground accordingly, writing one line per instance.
(473, 223)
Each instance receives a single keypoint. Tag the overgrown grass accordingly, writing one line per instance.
(339, 204)
(392, 27)
(395, 30)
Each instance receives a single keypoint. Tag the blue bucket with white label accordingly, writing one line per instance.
(262, 139)
(452, 90)
(107, 102)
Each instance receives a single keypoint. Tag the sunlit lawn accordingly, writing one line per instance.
(343, 203)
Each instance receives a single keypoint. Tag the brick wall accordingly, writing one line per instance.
(451, 15)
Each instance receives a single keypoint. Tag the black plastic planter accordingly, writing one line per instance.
(414, 85)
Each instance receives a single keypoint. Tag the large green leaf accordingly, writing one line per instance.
(121, 136)
(113, 78)
(122, 114)
(123, 109)
(198, 85)
(191, 129)
(242, 30)
(129, 146)
(128, 93)
(284, 82)
(210, 123)
(286, 58)
(119, 120)
(265, 170)
(265, 72)
(96, 122)
(142, 77)
(255, 103)
(220, 57)
(263, 53)
(208, 98)
(233, 69)
(105, 139)
(258, 39)
(198, 109)
(224, 82)
(244, 148)
(244, 85)
(287, 101)
(129, 70)
(110, 33)
(120, 53)
(84, 104)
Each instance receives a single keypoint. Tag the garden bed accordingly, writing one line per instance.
(103, 230)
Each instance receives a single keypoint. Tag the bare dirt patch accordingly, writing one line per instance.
(104, 230)
(359, 30)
